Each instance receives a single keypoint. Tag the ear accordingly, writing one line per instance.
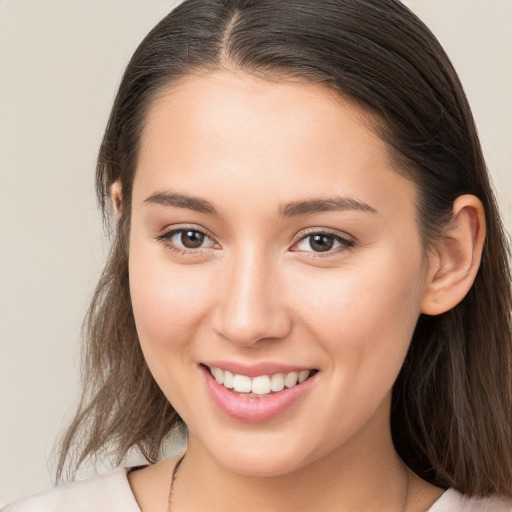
(456, 258)
(116, 197)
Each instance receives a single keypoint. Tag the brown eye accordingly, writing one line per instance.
(321, 243)
(192, 239)
(186, 240)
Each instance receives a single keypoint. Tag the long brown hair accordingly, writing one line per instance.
(452, 402)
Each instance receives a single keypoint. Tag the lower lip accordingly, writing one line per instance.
(253, 409)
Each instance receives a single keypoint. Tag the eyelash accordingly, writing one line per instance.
(165, 239)
(344, 243)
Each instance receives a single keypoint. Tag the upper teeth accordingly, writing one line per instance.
(260, 385)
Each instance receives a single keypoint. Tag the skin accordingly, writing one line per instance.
(257, 290)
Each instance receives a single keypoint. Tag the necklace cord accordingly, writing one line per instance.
(173, 479)
(177, 465)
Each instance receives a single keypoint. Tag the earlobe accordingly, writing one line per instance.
(456, 258)
(116, 198)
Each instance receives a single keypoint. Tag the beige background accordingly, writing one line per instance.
(60, 63)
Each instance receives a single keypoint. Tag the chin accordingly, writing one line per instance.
(261, 454)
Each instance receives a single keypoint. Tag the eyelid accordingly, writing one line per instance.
(168, 233)
(324, 231)
(346, 241)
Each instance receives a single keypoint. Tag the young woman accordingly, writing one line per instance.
(308, 276)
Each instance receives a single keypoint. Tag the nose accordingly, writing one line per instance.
(251, 305)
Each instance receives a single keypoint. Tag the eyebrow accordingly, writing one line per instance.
(329, 204)
(293, 209)
(182, 201)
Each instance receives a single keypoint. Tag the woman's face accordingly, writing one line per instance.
(270, 237)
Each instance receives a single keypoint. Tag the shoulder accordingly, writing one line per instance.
(107, 493)
(453, 501)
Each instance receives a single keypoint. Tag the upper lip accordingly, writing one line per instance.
(255, 369)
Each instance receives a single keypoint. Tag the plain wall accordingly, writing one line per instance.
(60, 64)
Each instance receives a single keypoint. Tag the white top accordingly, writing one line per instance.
(112, 493)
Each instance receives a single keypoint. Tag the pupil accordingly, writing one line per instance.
(321, 243)
(192, 239)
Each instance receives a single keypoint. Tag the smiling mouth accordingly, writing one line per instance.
(261, 385)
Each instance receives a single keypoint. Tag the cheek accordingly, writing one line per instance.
(166, 304)
(364, 318)
(168, 308)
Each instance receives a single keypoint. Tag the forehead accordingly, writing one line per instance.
(251, 109)
(239, 134)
